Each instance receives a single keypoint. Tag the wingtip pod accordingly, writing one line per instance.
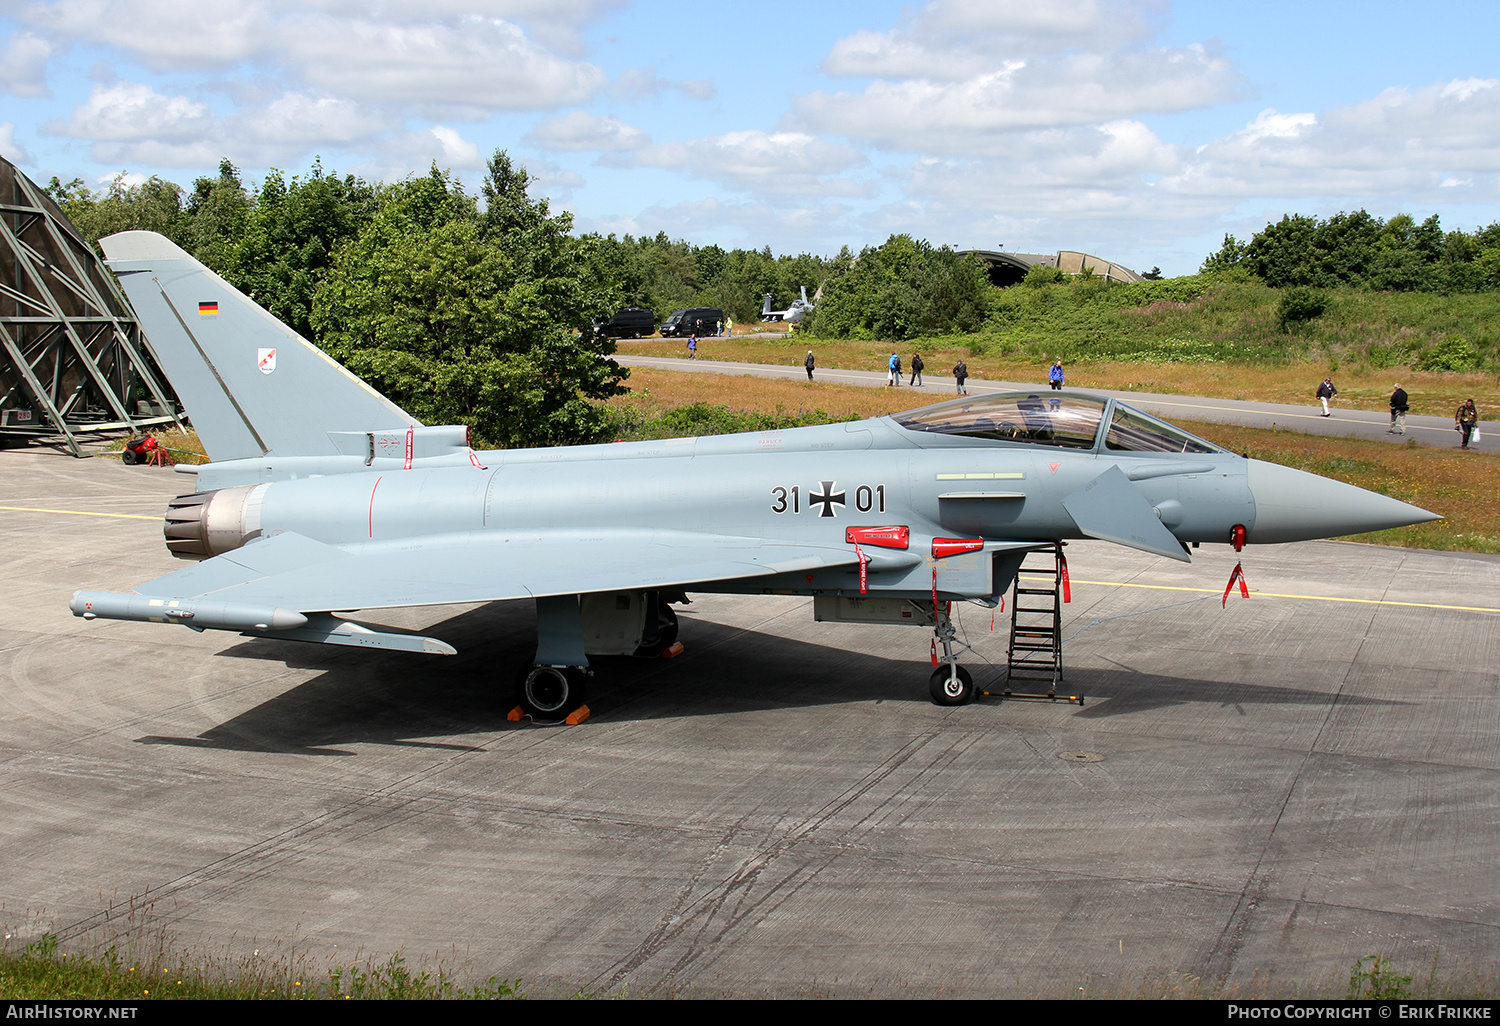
(1293, 505)
(233, 616)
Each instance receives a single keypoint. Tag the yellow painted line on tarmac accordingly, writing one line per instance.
(1277, 594)
(78, 513)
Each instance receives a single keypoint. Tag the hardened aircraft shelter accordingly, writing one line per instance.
(71, 352)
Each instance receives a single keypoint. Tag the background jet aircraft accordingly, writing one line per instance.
(794, 314)
(323, 496)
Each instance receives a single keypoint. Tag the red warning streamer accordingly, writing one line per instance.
(409, 433)
(1237, 574)
(894, 537)
(864, 573)
(1062, 569)
(943, 547)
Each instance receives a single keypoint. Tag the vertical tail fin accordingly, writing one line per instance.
(765, 311)
(252, 386)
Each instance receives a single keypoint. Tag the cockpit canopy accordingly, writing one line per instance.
(1067, 420)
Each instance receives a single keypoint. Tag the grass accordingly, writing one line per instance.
(1208, 335)
(42, 972)
(183, 445)
(1360, 387)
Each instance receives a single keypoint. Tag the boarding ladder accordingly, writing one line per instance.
(1036, 626)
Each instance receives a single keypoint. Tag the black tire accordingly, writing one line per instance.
(129, 457)
(946, 691)
(550, 692)
(666, 633)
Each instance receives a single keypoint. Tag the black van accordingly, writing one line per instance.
(631, 322)
(700, 320)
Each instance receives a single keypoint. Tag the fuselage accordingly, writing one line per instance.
(989, 470)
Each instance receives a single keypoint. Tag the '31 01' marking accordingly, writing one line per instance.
(826, 499)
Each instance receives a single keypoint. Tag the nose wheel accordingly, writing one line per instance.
(950, 684)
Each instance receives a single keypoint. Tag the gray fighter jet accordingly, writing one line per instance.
(794, 314)
(324, 497)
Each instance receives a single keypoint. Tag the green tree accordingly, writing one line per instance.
(903, 289)
(468, 318)
(289, 237)
(154, 205)
(215, 216)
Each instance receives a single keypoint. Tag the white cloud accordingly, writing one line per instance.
(1402, 142)
(973, 115)
(465, 55)
(130, 122)
(164, 34)
(23, 64)
(580, 130)
(454, 150)
(766, 162)
(646, 84)
(133, 111)
(10, 148)
(957, 39)
(481, 62)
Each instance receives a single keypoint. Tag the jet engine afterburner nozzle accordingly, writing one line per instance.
(205, 524)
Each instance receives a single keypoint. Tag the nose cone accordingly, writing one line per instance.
(1292, 505)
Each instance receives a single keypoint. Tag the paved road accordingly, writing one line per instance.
(1434, 431)
(1260, 793)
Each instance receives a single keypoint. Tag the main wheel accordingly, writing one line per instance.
(666, 634)
(130, 457)
(947, 689)
(550, 692)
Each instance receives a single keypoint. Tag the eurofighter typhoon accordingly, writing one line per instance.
(323, 497)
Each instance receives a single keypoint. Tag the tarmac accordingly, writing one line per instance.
(1256, 795)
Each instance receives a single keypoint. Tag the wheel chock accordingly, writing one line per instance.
(673, 651)
(573, 718)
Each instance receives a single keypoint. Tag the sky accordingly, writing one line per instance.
(1142, 131)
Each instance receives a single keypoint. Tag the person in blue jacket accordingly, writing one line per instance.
(895, 368)
(1055, 375)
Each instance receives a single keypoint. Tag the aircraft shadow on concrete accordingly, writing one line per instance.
(365, 697)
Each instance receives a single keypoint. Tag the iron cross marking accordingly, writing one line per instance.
(827, 498)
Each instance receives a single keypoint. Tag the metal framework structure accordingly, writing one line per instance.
(71, 351)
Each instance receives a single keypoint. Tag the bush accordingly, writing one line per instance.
(1299, 304)
(1453, 354)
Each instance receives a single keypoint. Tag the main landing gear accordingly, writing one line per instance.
(551, 687)
(551, 693)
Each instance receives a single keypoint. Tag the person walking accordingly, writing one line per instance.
(894, 366)
(916, 370)
(1326, 391)
(729, 327)
(809, 363)
(1399, 407)
(693, 346)
(1055, 375)
(960, 375)
(1465, 419)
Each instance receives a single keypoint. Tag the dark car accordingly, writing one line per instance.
(630, 322)
(700, 320)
